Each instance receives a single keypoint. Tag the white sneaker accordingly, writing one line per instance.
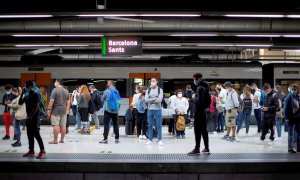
(270, 143)
(160, 143)
(246, 135)
(144, 137)
(261, 142)
(257, 134)
(237, 135)
(149, 142)
(140, 137)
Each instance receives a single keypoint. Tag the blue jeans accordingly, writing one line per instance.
(278, 125)
(257, 113)
(178, 133)
(221, 121)
(157, 116)
(242, 116)
(17, 129)
(294, 136)
(78, 121)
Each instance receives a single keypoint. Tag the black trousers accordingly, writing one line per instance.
(33, 131)
(114, 118)
(200, 129)
(68, 121)
(142, 124)
(134, 118)
(268, 124)
(84, 114)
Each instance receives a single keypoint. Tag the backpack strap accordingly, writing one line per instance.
(157, 90)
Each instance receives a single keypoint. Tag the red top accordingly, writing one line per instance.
(212, 106)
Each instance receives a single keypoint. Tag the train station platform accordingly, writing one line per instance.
(82, 157)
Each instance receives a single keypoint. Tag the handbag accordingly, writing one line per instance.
(21, 113)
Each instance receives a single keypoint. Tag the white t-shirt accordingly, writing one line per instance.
(135, 99)
(257, 105)
(223, 95)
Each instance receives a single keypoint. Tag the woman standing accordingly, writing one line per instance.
(181, 106)
(83, 105)
(212, 120)
(246, 109)
(141, 107)
(17, 120)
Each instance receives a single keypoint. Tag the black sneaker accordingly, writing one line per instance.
(16, 144)
(225, 137)
(117, 141)
(104, 141)
(292, 151)
(15, 138)
(205, 151)
(6, 137)
(194, 152)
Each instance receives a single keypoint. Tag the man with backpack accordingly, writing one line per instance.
(202, 102)
(111, 105)
(292, 118)
(231, 106)
(153, 97)
(269, 109)
(96, 99)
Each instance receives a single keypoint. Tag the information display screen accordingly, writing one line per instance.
(121, 46)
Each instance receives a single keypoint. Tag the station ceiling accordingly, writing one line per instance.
(210, 29)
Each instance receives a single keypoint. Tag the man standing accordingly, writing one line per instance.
(59, 100)
(154, 97)
(231, 106)
(222, 97)
(257, 107)
(8, 97)
(32, 101)
(269, 109)
(202, 102)
(111, 106)
(96, 98)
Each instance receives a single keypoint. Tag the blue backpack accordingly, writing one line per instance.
(141, 106)
(114, 102)
(262, 98)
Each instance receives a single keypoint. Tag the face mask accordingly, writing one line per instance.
(8, 92)
(196, 82)
(179, 95)
(153, 84)
(293, 92)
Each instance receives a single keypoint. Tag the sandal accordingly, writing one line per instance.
(61, 141)
(53, 142)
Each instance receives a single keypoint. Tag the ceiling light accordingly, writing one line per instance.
(194, 34)
(106, 15)
(32, 45)
(25, 16)
(258, 35)
(170, 15)
(255, 15)
(292, 36)
(81, 35)
(293, 16)
(161, 44)
(291, 50)
(48, 45)
(33, 35)
(235, 45)
(70, 45)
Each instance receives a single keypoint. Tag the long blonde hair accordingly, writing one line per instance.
(85, 91)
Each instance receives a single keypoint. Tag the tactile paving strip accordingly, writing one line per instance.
(217, 157)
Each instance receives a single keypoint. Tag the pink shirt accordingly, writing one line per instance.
(212, 106)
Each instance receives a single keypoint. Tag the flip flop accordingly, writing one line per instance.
(53, 142)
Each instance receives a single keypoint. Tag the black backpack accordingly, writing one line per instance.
(99, 103)
(91, 107)
(247, 105)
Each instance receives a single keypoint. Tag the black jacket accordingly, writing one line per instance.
(6, 97)
(271, 102)
(202, 99)
(94, 99)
